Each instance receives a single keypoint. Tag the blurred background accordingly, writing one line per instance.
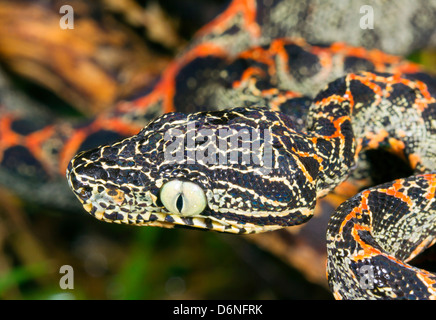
(122, 47)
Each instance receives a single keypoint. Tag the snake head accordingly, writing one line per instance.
(233, 171)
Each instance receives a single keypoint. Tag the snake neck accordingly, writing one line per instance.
(366, 111)
(330, 129)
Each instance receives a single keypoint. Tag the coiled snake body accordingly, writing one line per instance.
(257, 167)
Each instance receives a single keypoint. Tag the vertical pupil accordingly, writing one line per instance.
(179, 203)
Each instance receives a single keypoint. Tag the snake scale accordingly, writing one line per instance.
(313, 109)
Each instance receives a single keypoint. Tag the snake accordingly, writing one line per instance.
(257, 124)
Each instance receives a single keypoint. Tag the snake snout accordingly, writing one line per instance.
(81, 174)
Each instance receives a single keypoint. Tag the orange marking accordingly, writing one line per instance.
(431, 178)
(334, 98)
(70, 149)
(356, 211)
(337, 47)
(314, 140)
(414, 160)
(165, 88)
(163, 91)
(376, 57)
(273, 91)
(397, 147)
(355, 51)
(407, 67)
(376, 138)
(420, 103)
(248, 74)
(262, 56)
(32, 142)
(79, 136)
(8, 137)
(35, 140)
(277, 47)
(337, 295)
(367, 79)
(247, 8)
(368, 251)
(393, 191)
(337, 123)
(325, 56)
(426, 278)
(310, 155)
(277, 101)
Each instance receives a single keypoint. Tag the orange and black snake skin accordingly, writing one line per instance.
(317, 108)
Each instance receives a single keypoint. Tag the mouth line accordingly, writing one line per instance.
(169, 220)
(156, 216)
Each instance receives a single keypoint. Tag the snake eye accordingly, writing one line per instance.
(183, 197)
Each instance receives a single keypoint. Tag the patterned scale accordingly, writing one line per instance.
(243, 71)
